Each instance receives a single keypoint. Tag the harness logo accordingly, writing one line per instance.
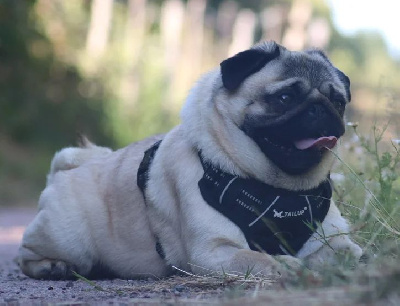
(285, 214)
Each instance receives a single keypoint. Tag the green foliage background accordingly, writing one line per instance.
(51, 88)
(40, 98)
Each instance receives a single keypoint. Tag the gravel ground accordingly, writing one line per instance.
(17, 289)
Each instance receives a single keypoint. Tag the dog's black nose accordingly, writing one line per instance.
(318, 121)
(316, 111)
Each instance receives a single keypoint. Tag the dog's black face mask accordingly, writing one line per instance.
(303, 111)
(298, 144)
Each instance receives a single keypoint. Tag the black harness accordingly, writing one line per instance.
(273, 220)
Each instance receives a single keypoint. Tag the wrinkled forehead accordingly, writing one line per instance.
(305, 70)
(315, 70)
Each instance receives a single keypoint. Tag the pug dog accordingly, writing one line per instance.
(242, 184)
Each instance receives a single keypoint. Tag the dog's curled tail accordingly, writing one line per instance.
(72, 157)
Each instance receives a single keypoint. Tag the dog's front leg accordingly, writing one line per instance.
(192, 233)
(242, 261)
(214, 243)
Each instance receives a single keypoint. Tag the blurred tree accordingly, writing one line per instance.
(119, 70)
(57, 77)
(41, 98)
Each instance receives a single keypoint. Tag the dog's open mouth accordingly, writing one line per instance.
(298, 144)
(328, 142)
(319, 143)
(295, 156)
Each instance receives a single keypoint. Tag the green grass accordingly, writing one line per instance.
(372, 203)
(368, 196)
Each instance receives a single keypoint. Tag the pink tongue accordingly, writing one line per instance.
(322, 142)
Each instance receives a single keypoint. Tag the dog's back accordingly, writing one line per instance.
(72, 157)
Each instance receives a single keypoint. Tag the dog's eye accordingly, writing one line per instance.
(340, 106)
(285, 98)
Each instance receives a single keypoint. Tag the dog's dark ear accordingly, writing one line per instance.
(346, 82)
(236, 69)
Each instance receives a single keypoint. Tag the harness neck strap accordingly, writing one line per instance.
(274, 220)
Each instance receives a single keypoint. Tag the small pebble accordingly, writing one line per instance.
(69, 284)
(180, 288)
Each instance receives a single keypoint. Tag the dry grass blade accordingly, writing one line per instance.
(247, 277)
(214, 284)
(91, 283)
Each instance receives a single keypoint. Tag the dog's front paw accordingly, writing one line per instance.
(48, 269)
(290, 267)
(263, 265)
(290, 263)
(339, 249)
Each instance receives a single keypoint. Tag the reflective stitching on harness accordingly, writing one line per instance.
(225, 189)
(265, 211)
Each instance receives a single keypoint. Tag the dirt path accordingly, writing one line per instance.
(17, 289)
(12, 224)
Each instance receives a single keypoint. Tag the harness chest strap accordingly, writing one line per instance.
(273, 220)
(143, 177)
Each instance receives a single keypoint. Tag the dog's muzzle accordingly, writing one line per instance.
(297, 140)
